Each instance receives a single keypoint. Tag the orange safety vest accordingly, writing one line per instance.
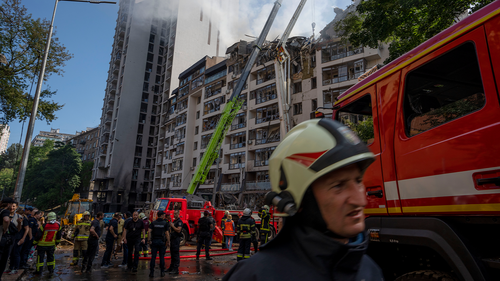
(228, 228)
(51, 234)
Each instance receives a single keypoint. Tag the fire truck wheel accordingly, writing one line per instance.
(426, 275)
(184, 237)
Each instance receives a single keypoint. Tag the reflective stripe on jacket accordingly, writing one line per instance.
(83, 230)
(264, 222)
(229, 228)
(51, 234)
(246, 227)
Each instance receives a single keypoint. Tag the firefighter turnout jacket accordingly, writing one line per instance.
(82, 230)
(246, 227)
(51, 234)
(265, 218)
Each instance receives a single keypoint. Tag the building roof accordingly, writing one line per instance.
(192, 68)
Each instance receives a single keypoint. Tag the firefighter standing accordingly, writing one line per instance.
(205, 224)
(224, 218)
(159, 239)
(51, 237)
(175, 241)
(245, 231)
(144, 246)
(264, 229)
(81, 236)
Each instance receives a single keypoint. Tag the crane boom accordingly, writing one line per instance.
(230, 110)
(283, 76)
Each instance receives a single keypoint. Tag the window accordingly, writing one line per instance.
(181, 105)
(195, 146)
(358, 117)
(266, 135)
(205, 140)
(180, 119)
(216, 76)
(263, 176)
(314, 84)
(138, 151)
(237, 160)
(297, 87)
(262, 156)
(135, 174)
(198, 100)
(213, 105)
(330, 96)
(214, 89)
(266, 114)
(180, 133)
(196, 129)
(338, 50)
(176, 180)
(150, 57)
(442, 90)
(210, 123)
(197, 82)
(297, 108)
(179, 148)
(177, 164)
(194, 162)
(238, 140)
(240, 121)
(197, 114)
(265, 74)
(264, 94)
(314, 104)
(343, 72)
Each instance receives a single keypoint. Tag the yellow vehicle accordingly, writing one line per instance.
(74, 213)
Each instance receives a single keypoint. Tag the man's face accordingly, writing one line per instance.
(12, 207)
(176, 214)
(341, 197)
(38, 216)
(135, 216)
(86, 217)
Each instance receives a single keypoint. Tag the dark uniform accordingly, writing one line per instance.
(264, 229)
(175, 244)
(6, 241)
(158, 240)
(245, 231)
(303, 253)
(134, 231)
(203, 236)
(33, 224)
(92, 246)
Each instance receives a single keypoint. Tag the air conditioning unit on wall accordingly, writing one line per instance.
(249, 142)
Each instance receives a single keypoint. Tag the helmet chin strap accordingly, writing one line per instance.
(310, 215)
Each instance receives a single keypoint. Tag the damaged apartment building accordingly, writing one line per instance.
(319, 71)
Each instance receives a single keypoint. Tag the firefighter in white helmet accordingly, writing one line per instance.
(317, 179)
(245, 230)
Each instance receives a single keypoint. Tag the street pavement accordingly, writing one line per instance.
(190, 269)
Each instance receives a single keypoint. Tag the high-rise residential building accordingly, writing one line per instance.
(87, 144)
(4, 138)
(155, 40)
(319, 72)
(54, 135)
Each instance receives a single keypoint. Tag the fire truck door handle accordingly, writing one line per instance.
(377, 193)
(489, 180)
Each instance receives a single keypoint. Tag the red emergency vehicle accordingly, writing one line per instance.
(191, 212)
(434, 189)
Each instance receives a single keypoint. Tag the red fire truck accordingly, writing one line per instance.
(434, 190)
(190, 212)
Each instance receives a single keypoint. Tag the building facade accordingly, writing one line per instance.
(320, 71)
(86, 144)
(54, 135)
(4, 138)
(153, 45)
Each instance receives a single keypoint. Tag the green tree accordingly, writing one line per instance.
(404, 24)
(86, 174)
(22, 42)
(6, 179)
(11, 157)
(52, 181)
(364, 129)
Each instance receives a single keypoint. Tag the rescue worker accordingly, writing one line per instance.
(9, 229)
(159, 238)
(245, 231)
(19, 239)
(264, 228)
(118, 246)
(134, 230)
(51, 237)
(81, 237)
(224, 218)
(128, 217)
(144, 246)
(93, 243)
(203, 239)
(32, 224)
(110, 241)
(317, 180)
(229, 233)
(175, 241)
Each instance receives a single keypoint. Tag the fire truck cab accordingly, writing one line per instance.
(432, 118)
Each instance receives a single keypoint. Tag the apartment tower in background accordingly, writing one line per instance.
(4, 138)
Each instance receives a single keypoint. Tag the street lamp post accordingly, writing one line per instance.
(27, 143)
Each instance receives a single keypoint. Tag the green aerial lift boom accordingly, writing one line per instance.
(230, 110)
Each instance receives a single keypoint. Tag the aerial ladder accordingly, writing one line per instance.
(282, 69)
(230, 110)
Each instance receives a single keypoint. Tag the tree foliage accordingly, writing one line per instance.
(22, 42)
(86, 174)
(364, 129)
(11, 157)
(52, 181)
(404, 24)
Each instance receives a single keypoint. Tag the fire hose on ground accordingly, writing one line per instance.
(194, 256)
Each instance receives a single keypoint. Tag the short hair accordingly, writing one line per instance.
(38, 213)
(229, 216)
(100, 214)
(128, 214)
(8, 200)
(116, 215)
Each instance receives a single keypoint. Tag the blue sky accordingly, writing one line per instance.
(87, 31)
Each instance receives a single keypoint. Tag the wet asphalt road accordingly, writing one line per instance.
(190, 269)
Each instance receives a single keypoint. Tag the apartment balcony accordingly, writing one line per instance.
(257, 185)
(112, 89)
(104, 140)
(111, 100)
(103, 152)
(115, 69)
(101, 165)
(230, 187)
(109, 109)
(107, 121)
(114, 79)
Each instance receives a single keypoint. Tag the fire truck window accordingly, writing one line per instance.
(442, 90)
(358, 116)
(161, 205)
